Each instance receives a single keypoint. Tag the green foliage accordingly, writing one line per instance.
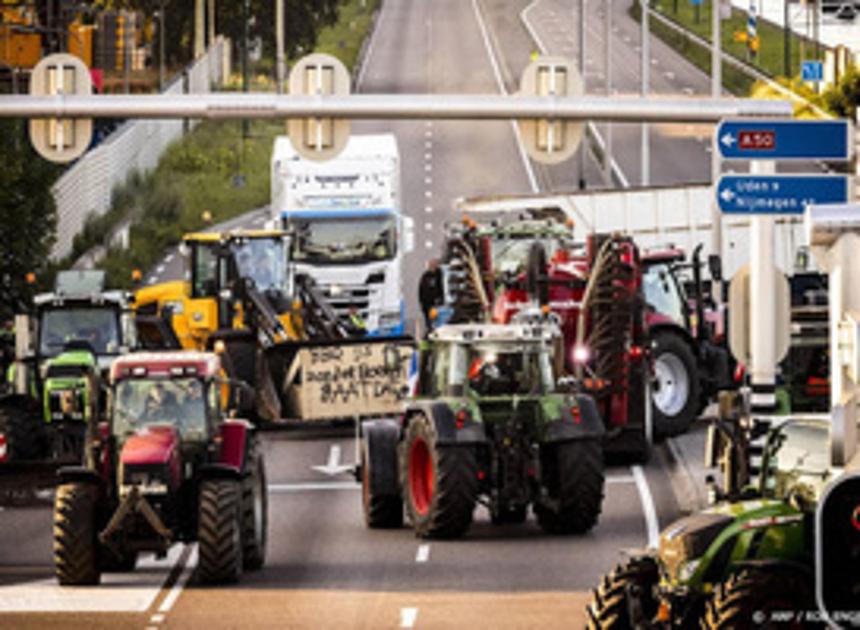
(843, 98)
(28, 218)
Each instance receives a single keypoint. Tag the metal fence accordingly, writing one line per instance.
(86, 188)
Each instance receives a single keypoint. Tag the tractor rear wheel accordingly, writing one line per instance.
(750, 598)
(575, 487)
(627, 591)
(255, 505)
(219, 532)
(378, 465)
(76, 550)
(440, 482)
(677, 394)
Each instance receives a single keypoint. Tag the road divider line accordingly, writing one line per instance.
(283, 488)
(371, 46)
(408, 617)
(157, 618)
(423, 553)
(530, 173)
(652, 527)
(621, 479)
(179, 585)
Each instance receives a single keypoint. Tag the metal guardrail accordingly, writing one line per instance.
(86, 188)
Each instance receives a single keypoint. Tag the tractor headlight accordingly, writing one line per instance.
(688, 569)
(148, 481)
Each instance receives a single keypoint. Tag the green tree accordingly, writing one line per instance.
(843, 98)
(28, 217)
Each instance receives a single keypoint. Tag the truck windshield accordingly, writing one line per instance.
(97, 326)
(264, 260)
(338, 241)
(176, 402)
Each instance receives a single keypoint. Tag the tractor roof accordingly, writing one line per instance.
(211, 237)
(166, 364)
(81, 288)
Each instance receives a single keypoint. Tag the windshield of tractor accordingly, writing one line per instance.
(496, 369)
(510, 254)
(97, 326)
(264, 260)
(342, 241)
(178, 402)
(663, 294)
(802, 462)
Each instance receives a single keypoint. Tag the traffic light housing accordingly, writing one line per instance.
(837, 550)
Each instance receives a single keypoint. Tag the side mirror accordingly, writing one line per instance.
(715, 266)
(408, 234)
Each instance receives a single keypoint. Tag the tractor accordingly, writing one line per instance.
(168, 466)
(495, 270)
(490, 423)
(57, 382)
(749, 559)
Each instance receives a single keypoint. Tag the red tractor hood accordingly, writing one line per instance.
(152, 445)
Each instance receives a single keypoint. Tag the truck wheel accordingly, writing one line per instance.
(748, 599)
(76, 552)
(255, 507)
(575, 487)
(677, 393)
(440, 482)
(378, 466)
(219, 532)
(21, 422)
(627, 591)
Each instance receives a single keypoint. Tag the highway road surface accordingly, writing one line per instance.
(324, 568)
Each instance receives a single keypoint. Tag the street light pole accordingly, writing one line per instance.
(646, 71)
(246, 10)
(211, 25)
(279, 45)
(716, 91)
(583, 149)
(607, 157)
(162, 25)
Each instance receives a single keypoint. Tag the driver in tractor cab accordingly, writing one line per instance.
(486, 378)
(160, 405)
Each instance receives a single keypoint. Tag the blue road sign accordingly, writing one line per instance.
(695, 2)
(778, 194)
(784, 139)
(812, 71)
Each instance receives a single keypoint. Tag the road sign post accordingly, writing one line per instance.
(61, 140)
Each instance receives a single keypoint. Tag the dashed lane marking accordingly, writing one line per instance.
(428, 244)
(428, 193)
(160, 269)
(428, 226)
(428, 180)
(312, 486)
(428, 209)
(176, 589)
(423, 553)
(169, 257)
(157, 618)
(408, 617)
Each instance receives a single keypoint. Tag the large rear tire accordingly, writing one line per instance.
(629, 588)
(677, 396)
(379, 464)
(219, 531)
(76, 550)
(255, 507)
(440, 483)
(575, 487)
(748, 600)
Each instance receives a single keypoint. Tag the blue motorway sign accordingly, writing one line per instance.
(812, 71)
(784, 139)
(778, 194)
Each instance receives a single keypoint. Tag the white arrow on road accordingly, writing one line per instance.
(333, 467)
(727, 195)
(728, 140)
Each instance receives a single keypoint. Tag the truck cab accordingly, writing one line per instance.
(351, 234)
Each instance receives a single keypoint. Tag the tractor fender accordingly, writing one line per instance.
(589, 426)
(219, 471)
(382, 437)
(79, 474)
(235, 440)
(445, 424)
(775, 564)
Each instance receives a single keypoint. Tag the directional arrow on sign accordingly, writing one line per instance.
(727, 195)
(778, 194)
(784, 139)
(728, 140)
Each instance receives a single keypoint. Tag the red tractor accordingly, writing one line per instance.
(596, 291)
(167, 466)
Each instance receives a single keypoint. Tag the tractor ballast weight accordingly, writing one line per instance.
(487, 424)
(167, 467)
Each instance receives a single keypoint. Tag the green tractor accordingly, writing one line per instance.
(747, 561)
(63, 353)
(488, 424)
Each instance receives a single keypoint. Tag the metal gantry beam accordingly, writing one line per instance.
(387, 106)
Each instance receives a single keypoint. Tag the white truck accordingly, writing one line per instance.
(351, 234)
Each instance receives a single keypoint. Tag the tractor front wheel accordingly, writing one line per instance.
(76, 550)
(625, 597)
(255, 506)
(219, 531)
(574, 487)
(440, 483)
(751, 599)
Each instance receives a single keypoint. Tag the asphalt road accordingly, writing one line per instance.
(324, 568)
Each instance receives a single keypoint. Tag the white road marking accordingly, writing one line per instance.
(169, 257)
(428, 226)
(428, 156)
(428, 209)
(669, 75)
(428, 180)
(408, 617)
(157, 618)
(708, 148)
(501, 84)
(688, 91)
(176, 591)
(423, 553)
(655, 61)
(428, 167)
(428, 133)
(428, 193)
(652, 526)
(428, 244)
(620, 479)
(159, 270)
(333, 466)
(313, 486)
(370, 48)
